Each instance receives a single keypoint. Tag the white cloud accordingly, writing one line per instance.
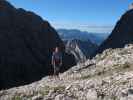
(83, 27)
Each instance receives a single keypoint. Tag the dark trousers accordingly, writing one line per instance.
(56, 69)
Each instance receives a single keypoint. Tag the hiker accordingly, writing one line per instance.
(56, 61)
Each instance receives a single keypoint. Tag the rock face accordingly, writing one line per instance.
(82, 50)
(27, 42)
(109, 76)
(122, 33)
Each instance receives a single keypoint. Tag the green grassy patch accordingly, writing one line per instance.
(17, 98)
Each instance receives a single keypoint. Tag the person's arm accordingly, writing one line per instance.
(61, 59)
(52, 62)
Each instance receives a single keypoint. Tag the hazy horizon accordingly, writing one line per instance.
(88, 15)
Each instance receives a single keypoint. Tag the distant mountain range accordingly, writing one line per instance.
(69, 34)
(81, 44)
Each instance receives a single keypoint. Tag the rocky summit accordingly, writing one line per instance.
(108, 76)
(27, 42)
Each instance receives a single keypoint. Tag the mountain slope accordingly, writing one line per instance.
(26, 42)
(108, 76)
(122, 33)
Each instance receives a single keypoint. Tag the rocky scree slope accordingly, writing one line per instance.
(26, 42)
(108, 76)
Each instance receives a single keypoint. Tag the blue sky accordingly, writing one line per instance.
(86, 15)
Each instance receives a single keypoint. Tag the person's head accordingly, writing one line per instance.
(57, 49)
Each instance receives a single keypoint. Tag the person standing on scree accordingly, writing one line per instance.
(57, 61)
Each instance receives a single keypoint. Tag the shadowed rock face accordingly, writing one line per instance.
(122, 33)
(26, 42)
